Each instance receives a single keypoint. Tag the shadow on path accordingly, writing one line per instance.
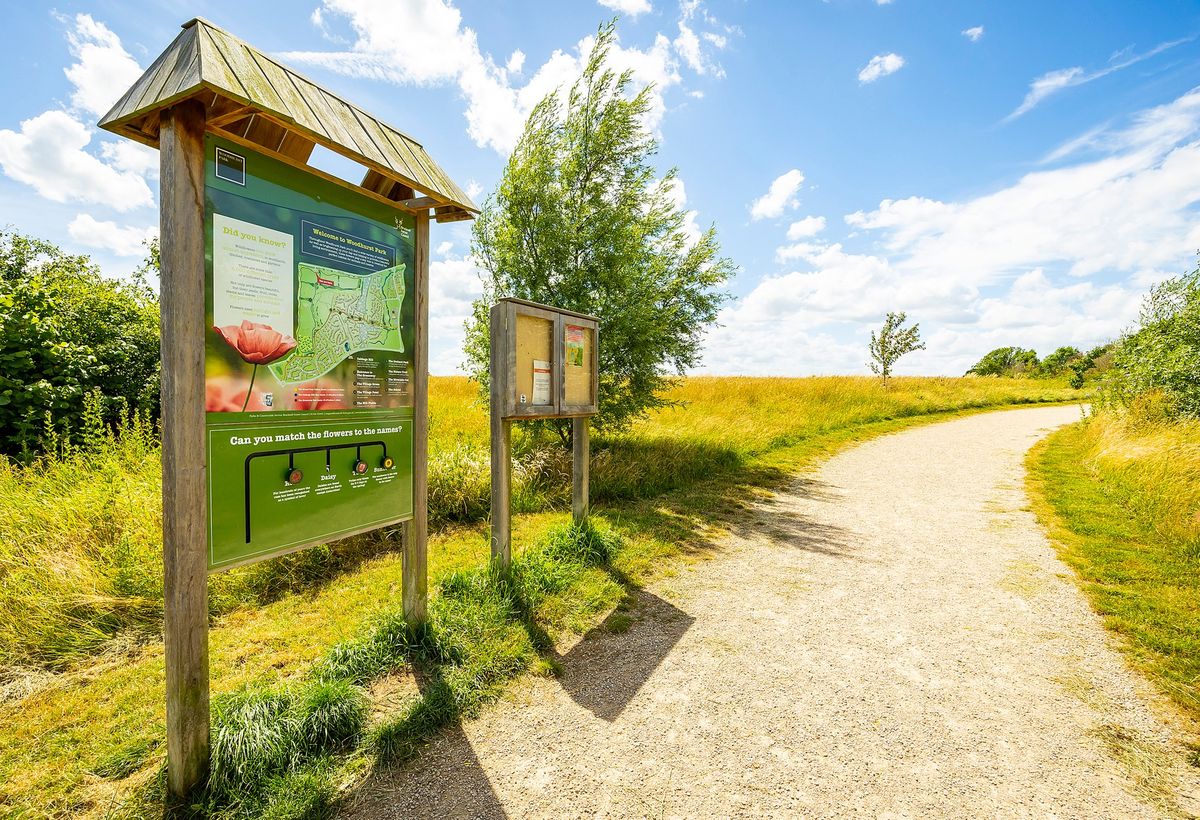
(605, 670)
(446, 781)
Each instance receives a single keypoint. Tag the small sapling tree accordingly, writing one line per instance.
(893, 341)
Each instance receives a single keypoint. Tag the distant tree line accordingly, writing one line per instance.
(76, 348)
(1067, 361)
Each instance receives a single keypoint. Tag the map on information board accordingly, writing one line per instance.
(339, 313)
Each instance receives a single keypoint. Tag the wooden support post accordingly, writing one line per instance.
(415, 559)
(580, 468)
(185, 540)
(501, 442)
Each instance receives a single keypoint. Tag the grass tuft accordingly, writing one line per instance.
(126, 759)
(382, 648)
(262, 735)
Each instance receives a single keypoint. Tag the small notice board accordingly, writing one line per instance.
(548, 361)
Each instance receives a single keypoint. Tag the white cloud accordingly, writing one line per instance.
(880, 65)
(809, 226)
(473, 189)
(973, 33)
(434, 47)
(453, 284)
(691, 228)
(780, 197)
(48, 154)
(1057, 257)
(103, 70)
(123, 240)
(1050, 83)
(1055, 81)
(630, 7)
(131, 157)
(1127, 210)
(688, 46)
(445, 247)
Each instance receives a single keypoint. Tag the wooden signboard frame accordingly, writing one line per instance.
(515, 346)
(191, 90)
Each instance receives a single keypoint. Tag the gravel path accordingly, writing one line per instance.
(891, 637)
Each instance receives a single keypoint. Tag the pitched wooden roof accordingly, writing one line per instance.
(254, 98)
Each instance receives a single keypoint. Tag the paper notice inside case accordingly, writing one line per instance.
(541, 382)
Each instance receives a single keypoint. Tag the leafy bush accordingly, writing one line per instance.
(1163, 354)
(65, 332)
(1057, 362)
(1006, 361)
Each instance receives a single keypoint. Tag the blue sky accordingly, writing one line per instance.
(1007, 172)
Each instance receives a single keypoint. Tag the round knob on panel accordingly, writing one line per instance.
(360, 467)
(294, 476)
(387, 463)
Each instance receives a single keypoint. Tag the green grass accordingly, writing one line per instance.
(1121, 500)
(330, 616)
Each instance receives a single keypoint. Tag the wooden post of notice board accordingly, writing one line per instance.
(185, 538)
(580, 468)
(544, 365)
(415, 559)
(501, 439)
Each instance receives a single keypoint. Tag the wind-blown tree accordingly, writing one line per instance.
(582, 221)
(893, 341)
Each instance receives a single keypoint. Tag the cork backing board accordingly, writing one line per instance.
(534, 343)
(577, 364)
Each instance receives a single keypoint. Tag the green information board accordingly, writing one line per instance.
(308, 357)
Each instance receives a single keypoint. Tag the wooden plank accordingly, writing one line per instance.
(509, 364)
(501, 433)
(187, 74)
(454, 216)
(265, 132)
(368, 126)
(415, 558)
(298, 112)
(410, 155)
(228, 111)
(158, 76)
(423, 203)
(380, 184)
(138, 96)
(342, 141)
(240, 140)
(297, 147)
(581, 453)
(185, 545)
(250, 76)
(214, 70)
